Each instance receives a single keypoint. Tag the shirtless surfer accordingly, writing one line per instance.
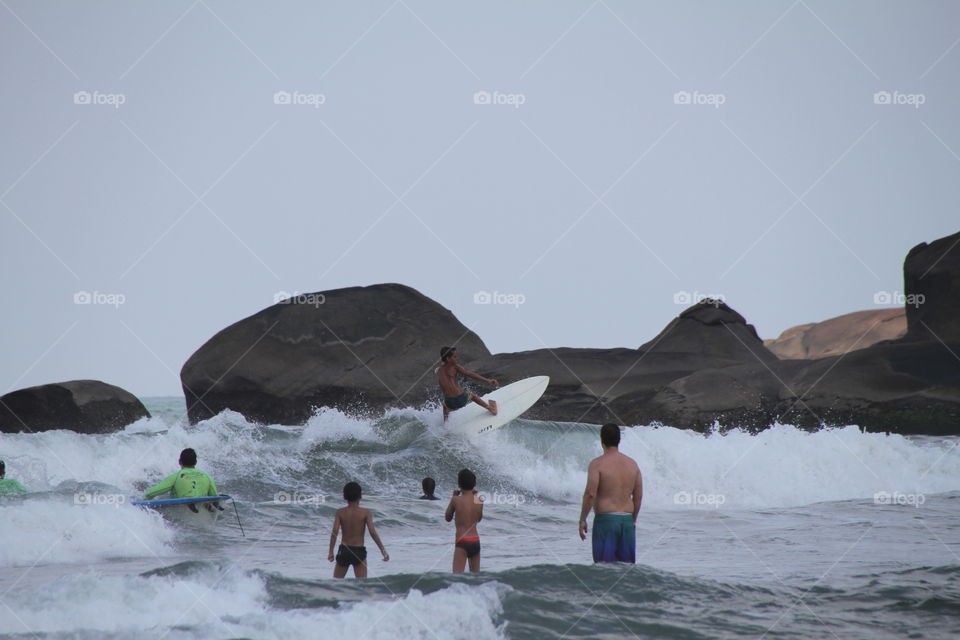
(614, 492)
(454, 397)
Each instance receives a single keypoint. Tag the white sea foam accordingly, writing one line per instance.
(234, 604)
(51, 529)
(780, 467)
(144, 452)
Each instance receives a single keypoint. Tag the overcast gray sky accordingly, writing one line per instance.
(623, 155)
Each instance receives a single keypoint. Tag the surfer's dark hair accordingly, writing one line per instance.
(352, 492)
(610, 435)
(466, 479)
(446, 352)
(429, 486)
(188, 458)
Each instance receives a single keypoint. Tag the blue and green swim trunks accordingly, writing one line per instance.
(614, 538)
(458, 402)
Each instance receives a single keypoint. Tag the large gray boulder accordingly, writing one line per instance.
(84, 406)
(360, 349)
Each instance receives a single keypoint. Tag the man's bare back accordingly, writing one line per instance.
(619, 479)
(614, 492)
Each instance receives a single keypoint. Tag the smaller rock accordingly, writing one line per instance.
(84, 406)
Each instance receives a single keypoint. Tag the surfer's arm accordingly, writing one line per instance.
(637, 495)
(477, 376)
(589, 495)
(376, 537)
(333, 535)
(164, 486)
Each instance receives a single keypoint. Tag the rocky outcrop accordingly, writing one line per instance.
(931, 279)
(622, 385)
(359, 348)
(368, 348)
(836, 336)
(85, 406)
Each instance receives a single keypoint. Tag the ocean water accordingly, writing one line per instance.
(782, 534)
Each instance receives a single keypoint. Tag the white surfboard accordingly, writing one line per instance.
(512, 401)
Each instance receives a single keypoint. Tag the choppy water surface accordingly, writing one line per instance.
(784, 534)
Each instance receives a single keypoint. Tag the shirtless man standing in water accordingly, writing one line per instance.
(454, 397)
(614, 491)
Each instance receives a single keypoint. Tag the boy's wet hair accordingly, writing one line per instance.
(188, 458)
(610, 435)
(466, 479)
(352, 492)
(446, 352)
(429, 486)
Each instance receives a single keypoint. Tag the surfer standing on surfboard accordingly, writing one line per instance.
(454, 397)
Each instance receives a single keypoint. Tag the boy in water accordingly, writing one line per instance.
(354, 521)
(467, 507)
(429, 486)
(454, 397)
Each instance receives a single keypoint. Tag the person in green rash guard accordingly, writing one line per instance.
(189, 482)
(9, 486)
